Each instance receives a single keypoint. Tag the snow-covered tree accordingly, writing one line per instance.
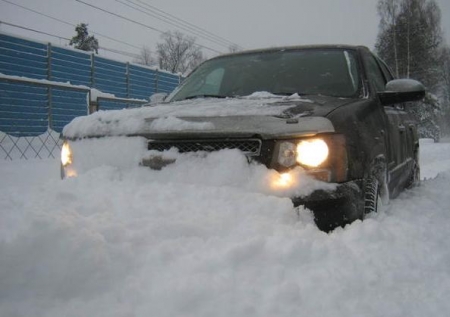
(410, 38)
(83, 41)
(178, 53)
(410, 41)
(445, 90)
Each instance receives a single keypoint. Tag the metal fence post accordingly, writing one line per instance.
(127, 78)
(92, 70)
(49, 90)
(93, 104)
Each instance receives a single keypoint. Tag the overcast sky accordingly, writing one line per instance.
(248, 23)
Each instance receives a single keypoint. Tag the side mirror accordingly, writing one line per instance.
(157, 98)
(402, 90)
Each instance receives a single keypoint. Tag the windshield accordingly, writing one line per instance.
(331, 72)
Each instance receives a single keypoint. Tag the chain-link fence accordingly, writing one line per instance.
(46, 145)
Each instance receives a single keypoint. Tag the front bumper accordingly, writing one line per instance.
(337, 207)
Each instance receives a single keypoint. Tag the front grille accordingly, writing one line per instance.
(247, 146)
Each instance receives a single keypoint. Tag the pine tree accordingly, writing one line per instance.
(83, 41)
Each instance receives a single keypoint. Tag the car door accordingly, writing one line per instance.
(395, 132)
(407, 128)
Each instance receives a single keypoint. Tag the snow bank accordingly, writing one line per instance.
(180, 244)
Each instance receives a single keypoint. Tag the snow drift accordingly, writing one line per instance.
(198, 243)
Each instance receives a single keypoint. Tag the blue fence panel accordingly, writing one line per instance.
(70, 66)
(113, 105)
(19, 57)
(167, 82)
(67, 105)
(23, 109)
(141, 82)
(110, 77)
(22, 57)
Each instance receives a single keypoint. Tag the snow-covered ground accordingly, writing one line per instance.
(147, 244)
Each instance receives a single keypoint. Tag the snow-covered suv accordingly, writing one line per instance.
(333, 114)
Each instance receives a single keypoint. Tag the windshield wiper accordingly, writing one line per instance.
(204, 96)
(288, 93)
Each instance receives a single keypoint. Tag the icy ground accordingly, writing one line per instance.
(107, 244)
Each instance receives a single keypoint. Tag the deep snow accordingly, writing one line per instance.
(180, 244)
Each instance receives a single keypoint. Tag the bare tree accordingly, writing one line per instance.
(145, 57)
(388, 11)
(410, 41)
(178, 53)
(410, 37)
(445, 90)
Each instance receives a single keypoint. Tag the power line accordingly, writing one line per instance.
(178, 23)
(33, 30)
(112, 50)
(153, 8)
(165, 20)
(128, 54)
(139, 23)
(37, 12)
(67, 23)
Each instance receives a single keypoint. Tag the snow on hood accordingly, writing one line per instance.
(169, 116)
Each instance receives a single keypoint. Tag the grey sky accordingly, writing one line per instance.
(249, 23)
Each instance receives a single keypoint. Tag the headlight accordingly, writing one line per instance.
(66, 154)
(312, 152)
(286, 154)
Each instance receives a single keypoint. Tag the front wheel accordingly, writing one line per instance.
(375, 195)
(371, 195)
(414, 178)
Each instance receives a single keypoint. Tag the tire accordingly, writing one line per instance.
(414, 178)
(376, 192)
(372, 196)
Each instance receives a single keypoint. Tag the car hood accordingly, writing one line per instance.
(264, 116)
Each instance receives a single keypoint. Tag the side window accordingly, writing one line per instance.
(374, 73)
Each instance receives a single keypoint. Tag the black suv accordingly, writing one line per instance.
(336, 112)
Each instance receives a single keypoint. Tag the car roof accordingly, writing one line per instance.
(295, 48)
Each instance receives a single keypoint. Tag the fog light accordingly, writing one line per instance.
(284, 180)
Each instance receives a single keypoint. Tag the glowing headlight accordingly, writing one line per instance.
(312, 152)
(66, 154)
